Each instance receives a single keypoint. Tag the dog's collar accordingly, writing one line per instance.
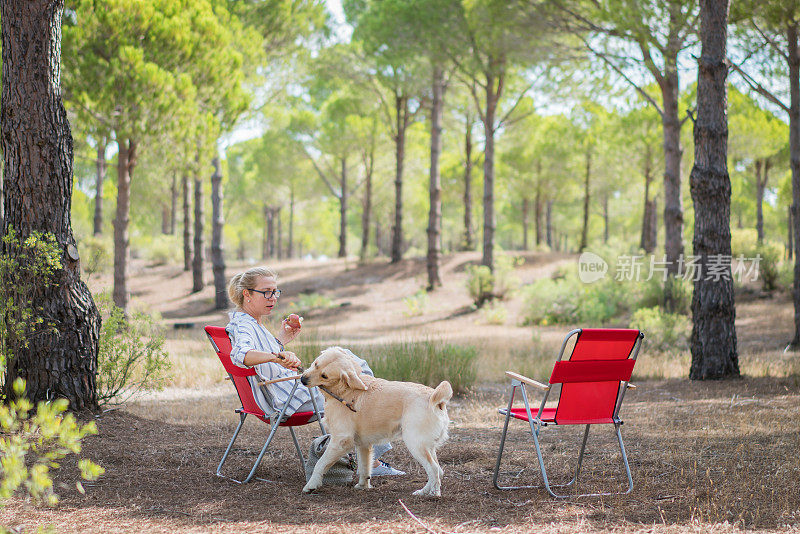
(338, 398)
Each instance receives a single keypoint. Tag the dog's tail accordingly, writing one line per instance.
(442, 394)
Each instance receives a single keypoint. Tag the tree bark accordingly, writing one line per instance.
(493, 93)
(538, 205)
(435, 184)
(173, 190)
(794, 162)
(366, 212)
(343, 211)
(647, 240)
(266, 247)
(713, 341)
(99, 180)
(762, 177)
(586, 195)
(790, 241)
(279, 233)
(197, 260)
(217, 249)
(469, 238)
(402, 118)
(37, 161)
(549, 224)
(525, 223)
(126, 161)
(187, 224)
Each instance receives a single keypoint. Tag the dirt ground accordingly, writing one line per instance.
(705, 457)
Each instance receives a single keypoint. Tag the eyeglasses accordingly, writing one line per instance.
(269, 293)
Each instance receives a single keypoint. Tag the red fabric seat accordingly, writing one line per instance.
(592, 385)
(238, 375)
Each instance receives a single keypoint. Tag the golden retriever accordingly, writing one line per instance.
(384, 410)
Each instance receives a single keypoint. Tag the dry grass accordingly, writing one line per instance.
(706, 457)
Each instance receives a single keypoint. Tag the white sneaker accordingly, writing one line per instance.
(385, 469)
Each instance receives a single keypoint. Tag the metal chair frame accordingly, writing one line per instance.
(275, 419)
(536, 424)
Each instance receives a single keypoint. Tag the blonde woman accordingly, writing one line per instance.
(255, 293)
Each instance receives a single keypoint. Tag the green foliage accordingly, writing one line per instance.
(27, 265)
(494, 313)
(769, 265)
(680, 290)
(164, 249)
(34, 442)
(663, 332)
(96, 254)
(131, 356)
(416, 304)
(483, 285)
(427, 362)
(306, 302)
(744, 242)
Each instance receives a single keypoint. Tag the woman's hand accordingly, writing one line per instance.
(288, 359)
(290, 327)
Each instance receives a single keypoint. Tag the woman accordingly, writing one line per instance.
(255, 293)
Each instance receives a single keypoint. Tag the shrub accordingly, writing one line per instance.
(28, 264)
(34, 442)
(663, 332)
(305, 302)
(743, 242)
(131, 356)
(164, 249)
(769, 265)
(416, 304)
(681, 290)
(96, 255)
(483, 285)
(494, 313)
(427, 362)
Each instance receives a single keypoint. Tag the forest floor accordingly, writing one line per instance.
(705, 456)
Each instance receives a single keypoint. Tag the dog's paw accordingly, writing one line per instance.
(308, 488)
(425, 492)
(364, 486)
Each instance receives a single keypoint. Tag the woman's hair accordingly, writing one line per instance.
(247, 280)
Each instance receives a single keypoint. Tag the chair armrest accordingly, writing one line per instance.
(526, 380)
(630, 386)
(284, 379)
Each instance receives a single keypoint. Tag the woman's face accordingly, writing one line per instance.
(260, 304)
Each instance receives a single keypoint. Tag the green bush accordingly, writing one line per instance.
(164, 249)
(681, 290)
(28, 264)
(34, 442)
(663, 332)
(483, 285)
(306, 302)
(427, 362)
(131, 356)
(494, 313)
(416, 304)
(744, 242)
(96, 255)
(769, 265)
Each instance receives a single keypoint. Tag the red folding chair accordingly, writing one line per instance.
(238, 376)
(593, 383)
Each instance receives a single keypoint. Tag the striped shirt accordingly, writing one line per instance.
(248, 334)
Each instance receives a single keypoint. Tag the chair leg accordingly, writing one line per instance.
(274, 425)
(242, 417)
(624, 458)
(496, 476)
(299, 452)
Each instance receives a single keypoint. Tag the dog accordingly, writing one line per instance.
(370, 411)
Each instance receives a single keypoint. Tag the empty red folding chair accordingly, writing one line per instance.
(238, 375)
(593, 383)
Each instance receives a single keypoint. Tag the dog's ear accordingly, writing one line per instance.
(350, 377)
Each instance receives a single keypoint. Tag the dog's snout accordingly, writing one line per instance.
(304, 380)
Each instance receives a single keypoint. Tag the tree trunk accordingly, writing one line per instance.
(586, 193)
(197, 261)
(279, 233)
(290, 245)
(187, 224)
(37, 162)
(759, 202)
(435, 186)
(378, 237)
(126, 161)
(173, 193)
(606, 218)
(266, 241)
(469, 239)
(538, 205)
(366, 212)
(713, 341)
(217, 250)
(794, 163)
(164, 218)
(647, 240)
(343, 211)
(492, 97)
(99, 180)
(525, 223)
(402, 118)
(549, 224)
(789, 248)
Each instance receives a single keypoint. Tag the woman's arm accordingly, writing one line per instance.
(286, 359)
